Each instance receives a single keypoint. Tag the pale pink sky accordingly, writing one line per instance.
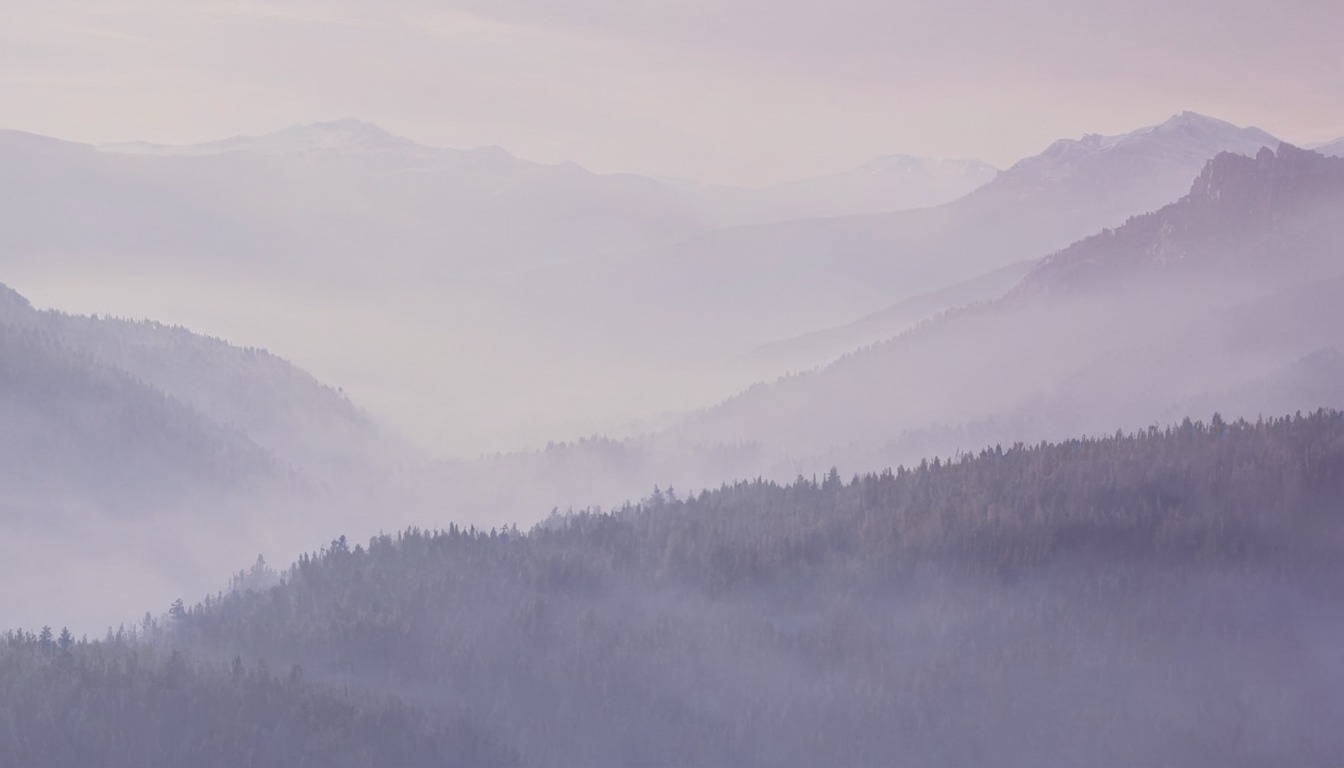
(736, 91)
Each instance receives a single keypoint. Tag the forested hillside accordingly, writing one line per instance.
(67, 703)
(113, 440)
(303, 423)
(1162, 597)
(212, 451)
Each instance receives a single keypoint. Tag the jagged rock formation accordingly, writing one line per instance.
(1269, 217)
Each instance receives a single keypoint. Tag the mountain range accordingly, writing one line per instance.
(339, 236)
(1223, 300)
(438, 286)
(750, 285)
(1333, 149)
(1231, 285)
(667, 328)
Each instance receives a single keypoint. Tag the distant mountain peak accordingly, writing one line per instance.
(1202, 128)
(1189, 124)
(349, 135)
(346, 136)
(351, 124)
(1187, 119)
(1187, 134)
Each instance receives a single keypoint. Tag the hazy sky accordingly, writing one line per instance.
(743, 91)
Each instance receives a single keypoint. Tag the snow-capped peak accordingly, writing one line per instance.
(1192, 126)
(1188, 134)
(347, 135)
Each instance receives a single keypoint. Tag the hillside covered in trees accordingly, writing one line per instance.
(1162, 597)
(208, 451)
(115, 703)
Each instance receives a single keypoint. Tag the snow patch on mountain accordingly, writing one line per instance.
(1185, 137)
(348, 136)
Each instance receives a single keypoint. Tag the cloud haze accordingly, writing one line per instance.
(742, 91)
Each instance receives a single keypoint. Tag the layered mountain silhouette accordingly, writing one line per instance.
(1226, 300)
(321, 199)
(881, 185)
(1229, 288)
(747, 286)
(888, 183)
(338, 236)
(819, 347)
(335, 193)
(900, 390)
(349, 135)
(1334, 148)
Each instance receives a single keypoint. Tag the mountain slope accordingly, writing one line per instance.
(747, 286)
(301, 421)
(139, 458)
(819, 347)
(1333, 149)
(1208, 303)
(344, 136)
(106, 433)
(881, 185)
(1227, 285)
(127, 704)
(1262, 217)
(1017, 606)
(325, 241)
(348, 189)
(112, 488)
(335, 192)
(888, 183)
